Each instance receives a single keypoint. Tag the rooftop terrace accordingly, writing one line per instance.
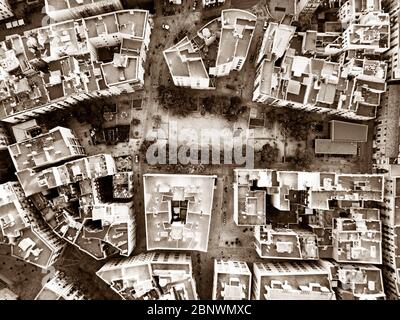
(178, 211)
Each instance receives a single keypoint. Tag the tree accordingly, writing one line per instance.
(230, 108)
(179, 101)
(302, 159)
(135, 122)
(145, 145)
(157, 120)
(235, 109)
(90, 112)
(295, 123)
(216, 104)
(268, 154)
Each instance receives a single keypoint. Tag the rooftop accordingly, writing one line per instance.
(298, 209)
(232, 280)
(358, 281)
(358, 238)
(46, 149)
(151, 276)
(29, 240)
(186, 59)
(327, 146)
(72, 67)
(236, 34)
(293, 281)
(286, 244)
(285, 77)
(178, 211)
(347, 131)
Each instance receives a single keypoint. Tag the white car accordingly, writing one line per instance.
(165, 26)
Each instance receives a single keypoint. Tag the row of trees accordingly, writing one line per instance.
(177, 100)
(229, 107)
(180, 102)
(268, 155)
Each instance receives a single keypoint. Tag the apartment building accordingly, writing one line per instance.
(370, 34)
(232, 280)
(310, 215)
(233, 32)
(76, 70)
(291, 281)
(5, 10)
(30, 238)
(392, 55)
(123, 185)
(333, 80)
(178, 211)
(27, 130)
(285, 243)
(237, 28)
(61, 10)
(391, 232)
(351, 90)
(212, 3)
(78, 211)
(356, 282)
(367, 26)
(60, 287)
(305, 9)
(352, 10)
(88, 168)
(4, 138)
(358, 238)
(186, 65)
(151, 276)
(386, 134)
(57, 145)
(386, 159)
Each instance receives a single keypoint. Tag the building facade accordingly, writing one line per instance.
(5, 10)
(76, 9)
(60, 287)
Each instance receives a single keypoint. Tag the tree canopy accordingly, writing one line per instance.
(268, 154)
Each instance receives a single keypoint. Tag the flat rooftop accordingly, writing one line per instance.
(48, 148)
(327, 146)
(236, 34)
(125, 22)
(31, 248)
(178, 211)
(287, 280)
(153, 275)
(115, 73)
(232, 280)
(184, 61)
(348, 131)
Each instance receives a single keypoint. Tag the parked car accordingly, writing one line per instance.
(165, 26)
